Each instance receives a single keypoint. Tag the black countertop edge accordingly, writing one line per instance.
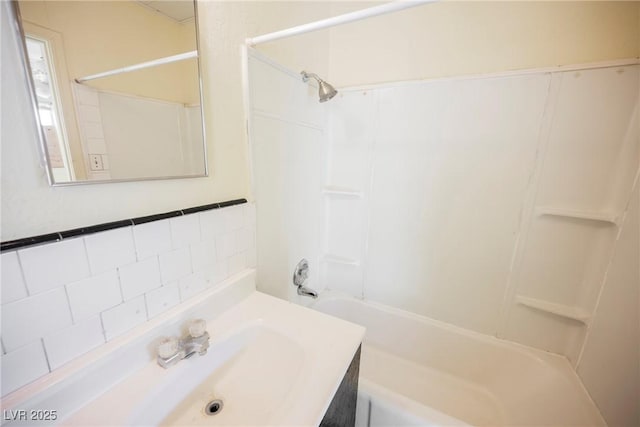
(76, 232)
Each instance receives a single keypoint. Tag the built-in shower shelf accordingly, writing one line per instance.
(604, 217)
(574, 313)
(335, 259)
(342, 191)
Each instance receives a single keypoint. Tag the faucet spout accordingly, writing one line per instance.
(306, 292)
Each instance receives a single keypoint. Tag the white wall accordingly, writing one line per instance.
(609, 365)
(288, 144)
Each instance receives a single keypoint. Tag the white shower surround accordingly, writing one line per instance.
(490, 297)
(521, 178)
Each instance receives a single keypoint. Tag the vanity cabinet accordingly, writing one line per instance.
(342, 410)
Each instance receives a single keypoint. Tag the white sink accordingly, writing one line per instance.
(270, 362)
(254, 372)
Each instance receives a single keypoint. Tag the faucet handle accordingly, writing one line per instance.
(168, 347)
(197, 328)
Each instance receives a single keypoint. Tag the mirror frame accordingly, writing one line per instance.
(42, 145)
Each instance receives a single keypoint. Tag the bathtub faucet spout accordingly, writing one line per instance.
(306, 292)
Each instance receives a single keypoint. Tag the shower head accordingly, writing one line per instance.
(325, 90)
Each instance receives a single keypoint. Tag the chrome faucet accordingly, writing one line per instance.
(306, 292)
(171, 350)
(300, 274)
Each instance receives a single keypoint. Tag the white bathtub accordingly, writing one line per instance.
(418, 371)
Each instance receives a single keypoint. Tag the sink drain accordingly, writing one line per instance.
(214, 407)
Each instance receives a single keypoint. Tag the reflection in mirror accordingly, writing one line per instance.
(117, 88)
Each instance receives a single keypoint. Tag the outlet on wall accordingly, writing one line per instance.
(95, 162)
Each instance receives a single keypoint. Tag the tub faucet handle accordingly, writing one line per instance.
(301, 272)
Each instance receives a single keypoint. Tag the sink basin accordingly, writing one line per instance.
(269, 362)
(253, 372)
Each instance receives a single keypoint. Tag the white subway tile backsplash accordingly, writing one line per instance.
(152, 238)
(234, 218)
(49, 266)
(110, 249)
(124, 317)
(250, 215)
(30, 318)
(237, 263)
(212, 223)
(13, 287)
(221, 271)
(252, 258)
(245, 239)
(140, 277)
(185, 230)
(216, 272)
(191, 285)
(226, 245)
(22, 366)
(175, 265)
(64, 345)
(162, 299)
(90, 296)
(203, 255)
(63, 299)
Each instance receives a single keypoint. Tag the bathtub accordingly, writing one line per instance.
(418, 371)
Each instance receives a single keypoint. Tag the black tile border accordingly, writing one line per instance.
(155, 217)
(76, 232)
(95, 228)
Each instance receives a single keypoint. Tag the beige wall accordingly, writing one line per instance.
(456, 38)
(105, 35)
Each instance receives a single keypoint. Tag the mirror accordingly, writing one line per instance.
(116, 88)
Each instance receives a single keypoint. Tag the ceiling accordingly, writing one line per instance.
(177, 10)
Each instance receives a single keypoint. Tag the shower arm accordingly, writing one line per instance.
(306, 76)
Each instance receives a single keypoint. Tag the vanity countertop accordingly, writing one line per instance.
(271, 362)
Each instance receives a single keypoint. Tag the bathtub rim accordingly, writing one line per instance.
(554, 361)
(536, 353)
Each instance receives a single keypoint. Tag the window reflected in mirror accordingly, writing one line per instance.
(49, 111)
(117, 88)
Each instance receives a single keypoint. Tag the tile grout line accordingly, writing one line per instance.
(24, 277)
(46, 355)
